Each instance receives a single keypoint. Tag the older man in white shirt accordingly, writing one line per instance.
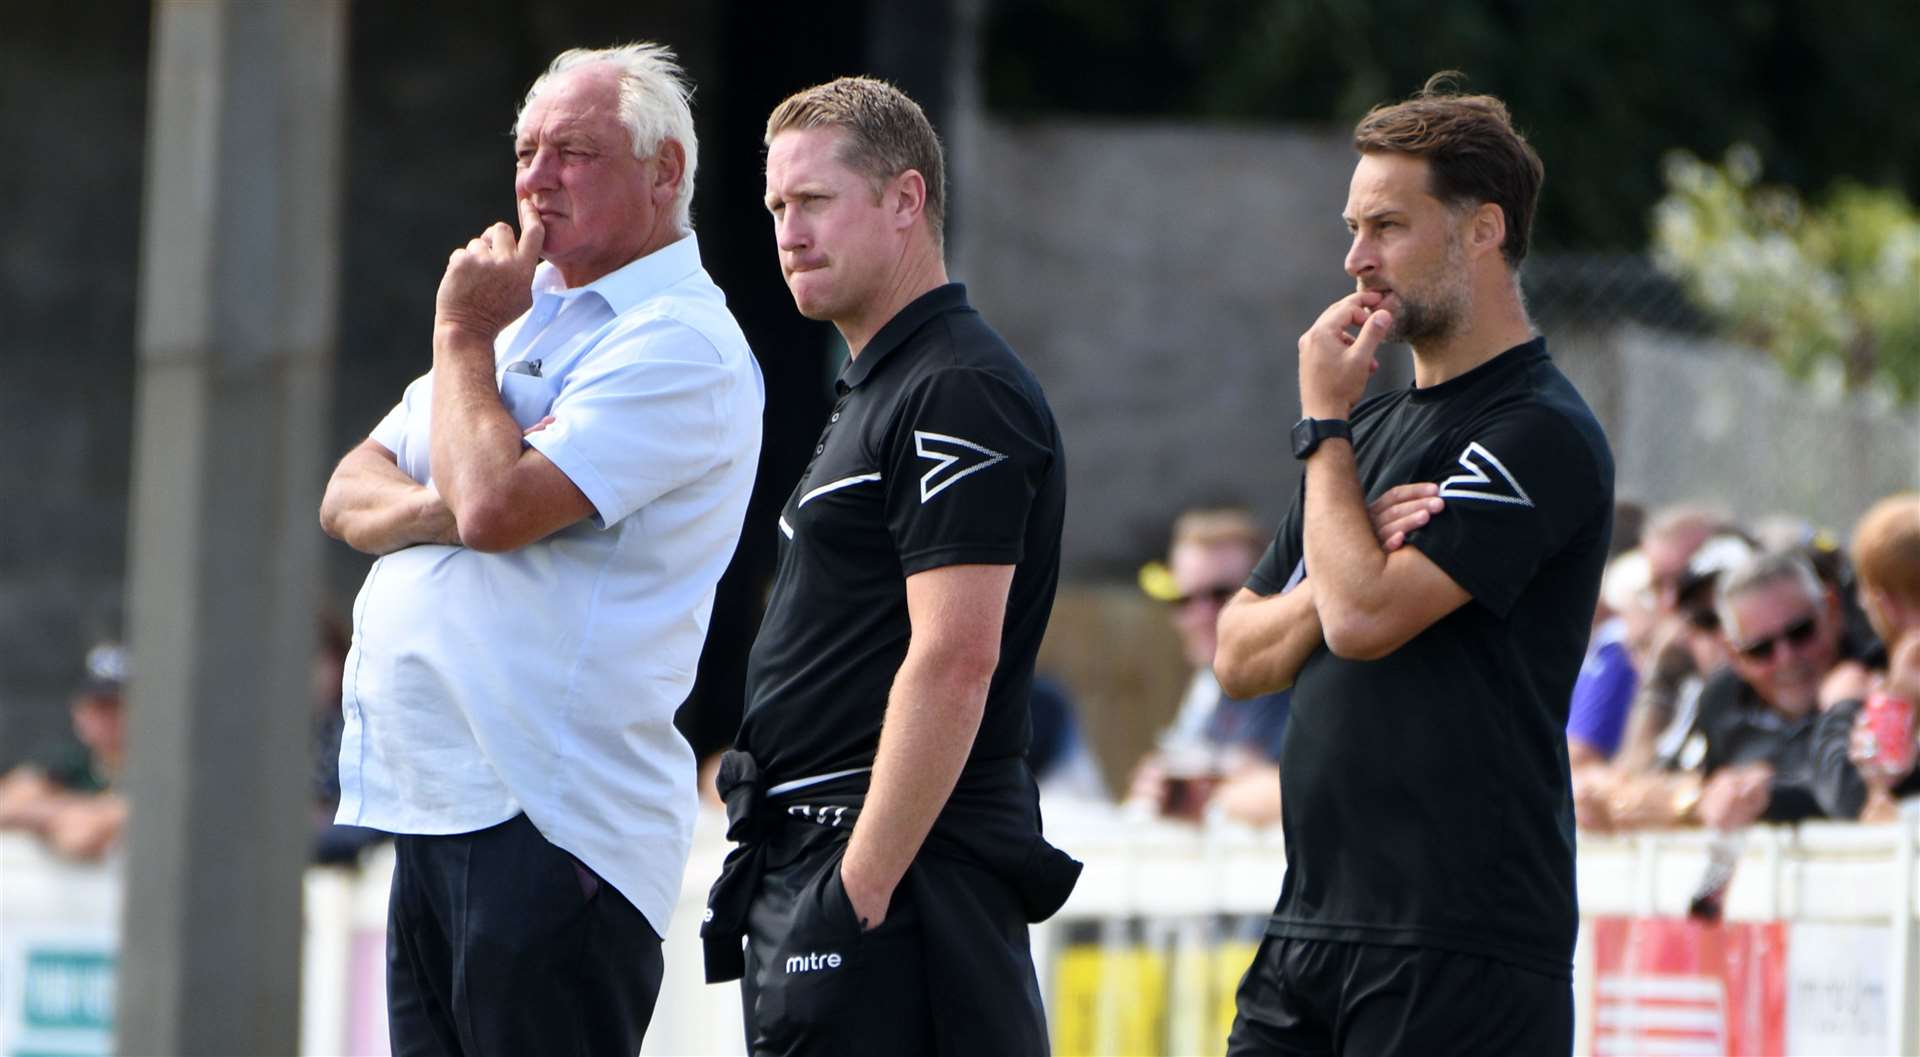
(553, 505)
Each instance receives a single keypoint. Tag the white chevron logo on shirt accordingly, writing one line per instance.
(948, 453)
(1465, 485)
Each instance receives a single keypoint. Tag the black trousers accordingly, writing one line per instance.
(1323, 997)
(948, 972)
(500, 943)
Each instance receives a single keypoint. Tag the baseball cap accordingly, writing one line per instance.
(106, 668)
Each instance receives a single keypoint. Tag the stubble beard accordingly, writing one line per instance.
(1437, 311)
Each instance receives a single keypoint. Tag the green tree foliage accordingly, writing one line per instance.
(1603, 90)
(1831, 286)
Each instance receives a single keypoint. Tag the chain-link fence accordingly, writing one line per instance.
(1694, 418)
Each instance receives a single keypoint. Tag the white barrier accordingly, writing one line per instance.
(1142, 958)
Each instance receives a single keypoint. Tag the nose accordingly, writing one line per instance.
(539, 173)
(1361, 258)
(789, 232)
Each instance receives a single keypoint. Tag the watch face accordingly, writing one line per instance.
(1304, 438)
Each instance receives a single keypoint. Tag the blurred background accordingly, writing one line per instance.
(1146, 202)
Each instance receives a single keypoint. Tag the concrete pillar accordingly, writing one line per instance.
(239, 263)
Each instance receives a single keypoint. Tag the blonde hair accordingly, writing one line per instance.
(886, 133)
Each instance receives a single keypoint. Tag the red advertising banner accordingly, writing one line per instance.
(1671, 986)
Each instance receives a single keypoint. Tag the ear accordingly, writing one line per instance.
(1486, 229)
(906, 198)
(669, 167)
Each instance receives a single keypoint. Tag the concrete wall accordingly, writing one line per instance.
(1156, 279)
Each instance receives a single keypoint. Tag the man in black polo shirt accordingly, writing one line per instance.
(889, 853)
(1428, 598)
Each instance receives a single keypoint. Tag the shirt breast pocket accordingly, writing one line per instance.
(527, 397)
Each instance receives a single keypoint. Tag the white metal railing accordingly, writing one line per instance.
(1151, 883)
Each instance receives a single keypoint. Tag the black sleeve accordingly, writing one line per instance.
(1522, 485)
(1835, 782)
(1793, 795)
(1716, 719)
(1790, 800)
(964, 459)
(1284, 562)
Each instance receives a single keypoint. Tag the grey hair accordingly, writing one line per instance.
(655, 106)
(1760, 571)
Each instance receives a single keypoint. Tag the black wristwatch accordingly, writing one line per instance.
(1309, 432)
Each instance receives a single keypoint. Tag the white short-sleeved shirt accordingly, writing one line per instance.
(545, 680)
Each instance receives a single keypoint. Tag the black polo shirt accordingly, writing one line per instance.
(941, 450)
(1425, 795)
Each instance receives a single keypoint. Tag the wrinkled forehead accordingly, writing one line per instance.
(584, 100)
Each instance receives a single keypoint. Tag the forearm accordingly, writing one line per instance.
(475, 444)
(1264, 641)
(933, 714)
(1346, 561)
(374, 507)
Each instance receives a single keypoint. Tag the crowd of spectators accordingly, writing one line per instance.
(1735, 675)
(1745, 674)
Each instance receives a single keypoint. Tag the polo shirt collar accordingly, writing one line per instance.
(631, 283)
(900, 328)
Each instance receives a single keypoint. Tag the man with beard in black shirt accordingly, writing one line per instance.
(1428, 598)
(889, 852)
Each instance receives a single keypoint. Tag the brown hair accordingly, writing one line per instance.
(1472, 150)
(886, 134)
(1886, 547)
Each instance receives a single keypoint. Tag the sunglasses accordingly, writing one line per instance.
(1797, 634)
(1216, 595)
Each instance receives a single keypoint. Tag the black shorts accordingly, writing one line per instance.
(816, 983)
(949, 971)
(1327, 997)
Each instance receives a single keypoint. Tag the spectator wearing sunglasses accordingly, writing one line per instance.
(1218, 752)
(1783, 629)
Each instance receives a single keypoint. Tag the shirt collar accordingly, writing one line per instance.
(901, 327)
(1526, 352)
(631, 283)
